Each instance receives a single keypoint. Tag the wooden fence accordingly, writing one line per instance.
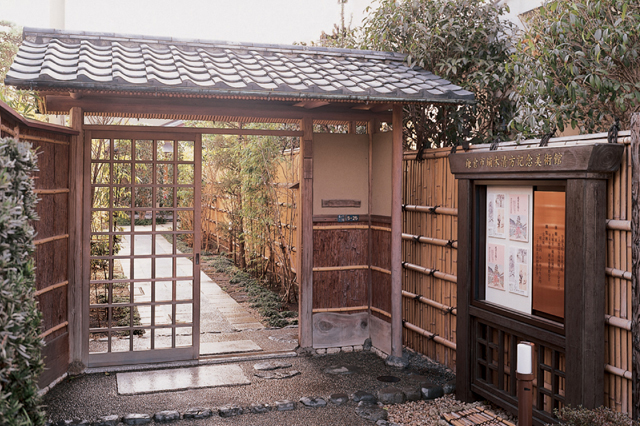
(430, 256)
(53, 144)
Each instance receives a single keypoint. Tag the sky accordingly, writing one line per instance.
(258, 21)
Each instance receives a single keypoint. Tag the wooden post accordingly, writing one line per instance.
(396, 233)
(370, 131)
(78, 340)
(584, 287)
(306, 235)
(464, 291)
(635, 256)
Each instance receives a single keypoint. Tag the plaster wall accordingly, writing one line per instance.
(340, 172)
(381, 179)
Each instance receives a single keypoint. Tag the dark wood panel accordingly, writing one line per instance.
(51, 263)
(381, 249)
(337, 289)
(340, 247)
(53, 210)
(53, 305)
(381, 291)
(56, 360)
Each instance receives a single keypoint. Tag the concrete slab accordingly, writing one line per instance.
(205, 376)
(228, 347)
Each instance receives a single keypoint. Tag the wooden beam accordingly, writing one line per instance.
(198, 130)
(174, 106)
(77, 311)
(306, 235)
(396, 233)
(311, 104)
(635, 262)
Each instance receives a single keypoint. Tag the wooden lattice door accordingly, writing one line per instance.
(142, 235)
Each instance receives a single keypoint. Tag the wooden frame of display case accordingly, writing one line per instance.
(569, 354)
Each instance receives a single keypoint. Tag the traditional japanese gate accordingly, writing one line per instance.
(142, 294)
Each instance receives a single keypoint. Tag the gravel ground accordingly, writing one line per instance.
(93, 395)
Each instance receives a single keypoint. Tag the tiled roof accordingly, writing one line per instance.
(50, 59)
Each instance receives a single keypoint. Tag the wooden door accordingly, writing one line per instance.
(142, 246)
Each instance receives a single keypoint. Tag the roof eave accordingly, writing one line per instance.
(224, 93)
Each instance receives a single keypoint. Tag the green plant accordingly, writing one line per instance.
(463, 41)
(600, 416)
(20, 346)
(578, 65)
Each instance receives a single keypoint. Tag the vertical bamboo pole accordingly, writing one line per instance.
(306, 235)
(635, 248)
(78, 340)
(396, 233)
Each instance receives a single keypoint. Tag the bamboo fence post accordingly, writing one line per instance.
(635, 248)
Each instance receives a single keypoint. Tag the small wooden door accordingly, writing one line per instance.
(142, 246)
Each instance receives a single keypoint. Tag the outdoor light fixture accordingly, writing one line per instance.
(167, 147)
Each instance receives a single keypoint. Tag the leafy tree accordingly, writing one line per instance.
(463, 41)
(23, 101)
(578, 64)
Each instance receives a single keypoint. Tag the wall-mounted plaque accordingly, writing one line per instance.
(549, 251)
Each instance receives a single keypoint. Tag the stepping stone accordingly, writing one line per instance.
(339, 398)
(412, 393)
(112, 420)
(371, 412)
(230, 410)
(166, 416)
(228, 347)
(285, 405)
(277, 374)
(450, 386)
(362, 396)
(273, 365)
(136, 419)
(313, 402)
(260, 408)
(390, 395)
(205, 376)
(431, 391)
(197, 413)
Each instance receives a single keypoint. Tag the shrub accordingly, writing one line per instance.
(600, 416)
(20, 346)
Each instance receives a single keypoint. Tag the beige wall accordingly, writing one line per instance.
(381, 179)
(340, 171)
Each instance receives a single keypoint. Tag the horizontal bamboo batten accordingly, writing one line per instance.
(618, 322)
(51, 287)
(430, 209)
(6, 129)
(53, 329)
(42, 139)
(431, 272)
(378, 269)
(429, 335)
(50, 239)
(381, 311)
(618, 273)
(619, 225)
(51, 191)
(339, 268)
(429, 240)
(339, 227)
(347, 309)
(433, 303)
(381, 228)
(616, 371)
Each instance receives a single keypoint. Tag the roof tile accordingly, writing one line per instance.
(125, 62)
